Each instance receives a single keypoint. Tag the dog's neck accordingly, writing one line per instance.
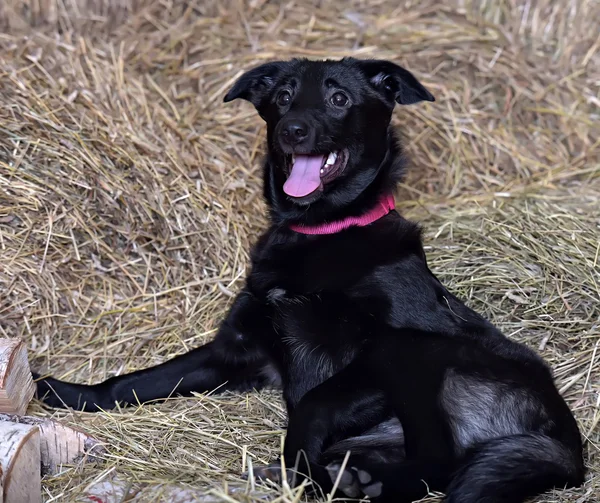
(384, 205)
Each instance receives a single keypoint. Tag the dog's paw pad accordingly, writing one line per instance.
(354, 482)
(363, 476)
(372, 490)
(346, 481)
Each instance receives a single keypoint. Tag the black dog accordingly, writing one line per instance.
(374, 355)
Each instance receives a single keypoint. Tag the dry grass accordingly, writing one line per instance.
(129, 195)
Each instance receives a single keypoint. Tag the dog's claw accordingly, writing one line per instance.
(354, 482)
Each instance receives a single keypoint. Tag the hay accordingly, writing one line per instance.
(129, 195)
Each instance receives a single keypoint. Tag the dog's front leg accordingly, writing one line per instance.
(345, 405)
(233, 361)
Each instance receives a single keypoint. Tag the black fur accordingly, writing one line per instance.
(373, 354)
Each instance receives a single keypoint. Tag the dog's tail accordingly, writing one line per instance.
(512, 469)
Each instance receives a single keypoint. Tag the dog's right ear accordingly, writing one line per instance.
(394, 81)
(255, 84)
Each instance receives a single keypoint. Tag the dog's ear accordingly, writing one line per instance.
(255, 84)
(395, 82)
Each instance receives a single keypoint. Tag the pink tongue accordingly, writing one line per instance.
(305, 177)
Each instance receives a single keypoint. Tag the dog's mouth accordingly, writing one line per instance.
(308, 173)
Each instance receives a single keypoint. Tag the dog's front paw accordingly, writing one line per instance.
(272, 472)
(45, 392)
(354, 482)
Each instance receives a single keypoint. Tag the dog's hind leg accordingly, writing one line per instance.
(512, 469)
(428, 465)
(503, 470)
(343, 406)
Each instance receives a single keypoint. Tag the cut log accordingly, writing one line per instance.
(16, 382)
(20, 463)
(59, 444)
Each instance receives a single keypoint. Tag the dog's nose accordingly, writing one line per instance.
(294, 132)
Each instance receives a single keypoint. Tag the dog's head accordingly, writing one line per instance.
(327, 128)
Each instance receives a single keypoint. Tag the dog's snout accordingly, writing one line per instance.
(294, 132)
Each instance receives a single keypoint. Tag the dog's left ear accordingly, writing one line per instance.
(255, 84)
(395, 82)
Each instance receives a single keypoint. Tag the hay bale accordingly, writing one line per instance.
(129, 196)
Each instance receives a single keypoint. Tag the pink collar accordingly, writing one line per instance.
(385, 204)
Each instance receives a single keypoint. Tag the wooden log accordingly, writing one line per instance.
(59, 444)
(20, 462)
(16, 382)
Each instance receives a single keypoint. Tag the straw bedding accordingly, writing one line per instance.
(129, 195)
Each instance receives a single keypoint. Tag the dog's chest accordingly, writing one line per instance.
(323, 319)
(319, 335)
(308, 291)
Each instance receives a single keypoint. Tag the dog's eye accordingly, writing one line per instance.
(284, 98)
(388, 83)
(339, 99)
